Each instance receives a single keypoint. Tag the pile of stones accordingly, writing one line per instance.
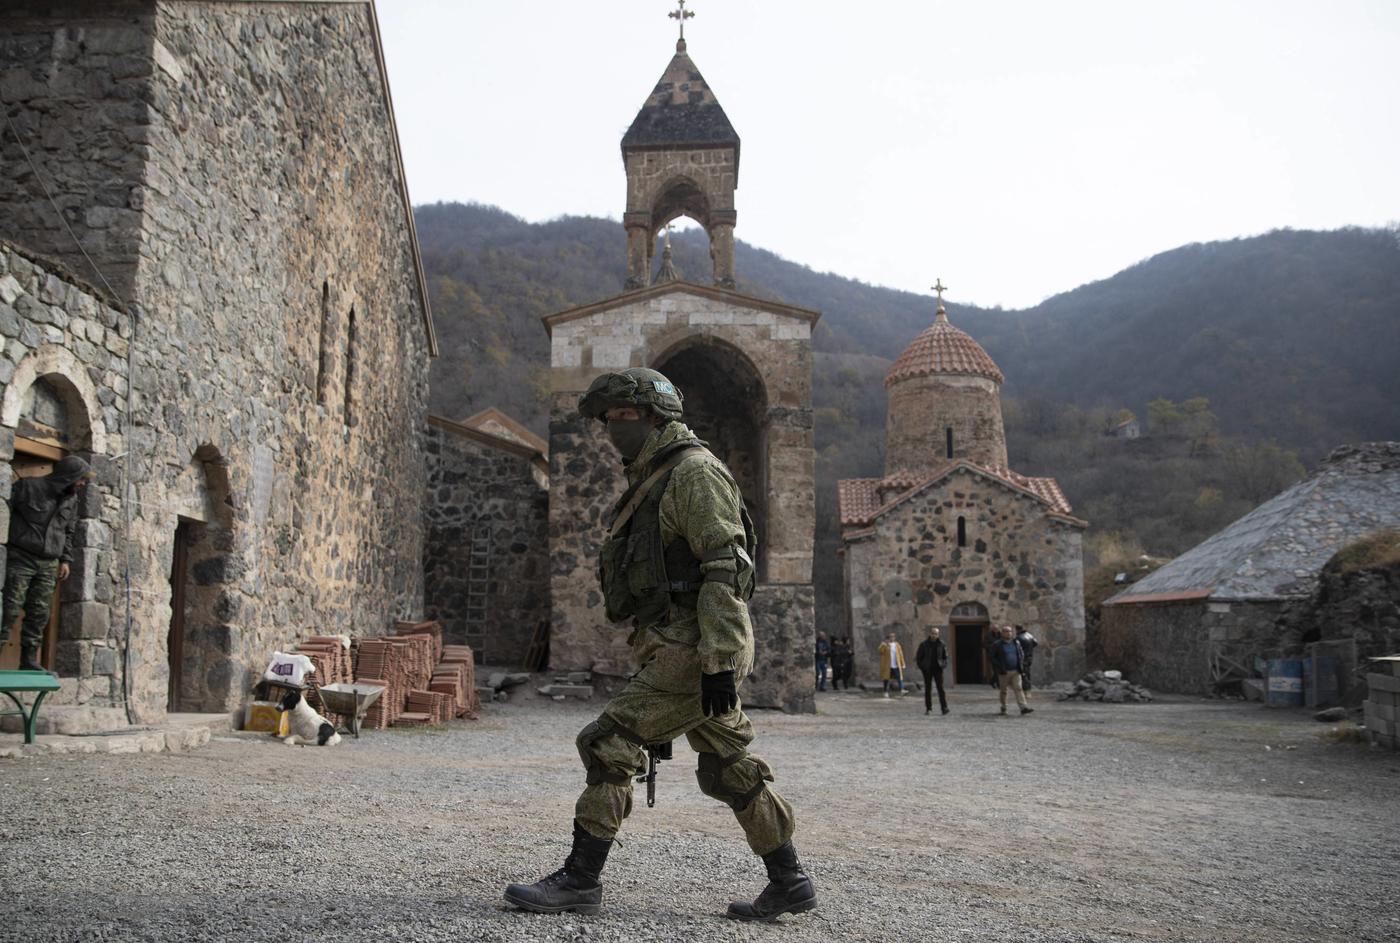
(1107, 686)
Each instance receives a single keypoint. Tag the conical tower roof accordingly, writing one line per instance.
(681, 111)
(943, 349)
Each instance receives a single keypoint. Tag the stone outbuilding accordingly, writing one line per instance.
(950, 536)
(1252, 589)
(744, 366)
(249, 382)
(486, 544)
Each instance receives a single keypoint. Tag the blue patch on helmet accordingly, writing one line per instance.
(662, 386)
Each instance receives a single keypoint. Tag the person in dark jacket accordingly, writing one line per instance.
(932, 658)
(1028, 645)
(1007, 658)
(823, 658)
(39, 552)
(843, 662)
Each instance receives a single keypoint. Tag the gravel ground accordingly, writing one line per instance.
(1181, 820)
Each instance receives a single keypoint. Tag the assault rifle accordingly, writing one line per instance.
(655, 751)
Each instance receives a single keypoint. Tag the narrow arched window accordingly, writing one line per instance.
(949, 433)
(962, 532)
(350, 368)
(323, 357)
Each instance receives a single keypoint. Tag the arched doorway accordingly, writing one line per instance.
(726, 405)
(52, 423)
(969, 624)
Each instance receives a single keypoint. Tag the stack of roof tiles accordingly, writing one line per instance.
(331, 658)
(426, 707)
(432, 628)
(418, 688)
(462, 655)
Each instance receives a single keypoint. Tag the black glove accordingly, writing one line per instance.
(717, 693)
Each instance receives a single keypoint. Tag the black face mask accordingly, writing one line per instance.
(629, 435)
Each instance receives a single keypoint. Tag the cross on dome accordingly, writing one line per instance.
(940, 288)
(681, 14)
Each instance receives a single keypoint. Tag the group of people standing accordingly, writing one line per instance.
(835, 656)
(1010, 650)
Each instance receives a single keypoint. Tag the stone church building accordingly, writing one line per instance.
(950, 536)
(744, 366)
(240, 347)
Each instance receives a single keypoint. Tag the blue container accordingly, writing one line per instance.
(1285, 683)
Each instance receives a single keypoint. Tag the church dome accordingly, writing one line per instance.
(943, 349)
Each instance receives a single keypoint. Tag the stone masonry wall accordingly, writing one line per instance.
(585, 478)
(922, 409)
(477, 492)
(1024, 566)
(54, 327)
(1169, 646)
(75, 78)
(280, 354)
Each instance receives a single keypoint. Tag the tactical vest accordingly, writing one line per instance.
(641, 578)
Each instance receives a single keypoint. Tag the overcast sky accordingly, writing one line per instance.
(1014, 149)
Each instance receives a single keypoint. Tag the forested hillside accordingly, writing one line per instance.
(1245, 360)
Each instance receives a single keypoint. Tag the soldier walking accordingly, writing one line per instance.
(678, 562)
(39, 552)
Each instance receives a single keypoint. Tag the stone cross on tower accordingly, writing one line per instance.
(681, 14)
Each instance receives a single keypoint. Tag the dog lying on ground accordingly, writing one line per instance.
(306, 725)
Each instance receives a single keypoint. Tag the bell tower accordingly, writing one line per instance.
(681, 155)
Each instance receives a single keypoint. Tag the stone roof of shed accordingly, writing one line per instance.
(943, 349)
(681, 111)
(861, 504)
(1279, 548)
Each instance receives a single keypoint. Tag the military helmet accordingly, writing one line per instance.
(639, 387)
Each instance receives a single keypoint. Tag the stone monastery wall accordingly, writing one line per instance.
(279, 356)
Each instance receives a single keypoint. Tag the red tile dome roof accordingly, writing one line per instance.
(942, 348)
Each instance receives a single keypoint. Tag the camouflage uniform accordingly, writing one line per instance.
(662, 700)
(29, 585)
(677, 561)
(43, 516)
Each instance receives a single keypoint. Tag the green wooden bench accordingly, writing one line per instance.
(17, 682)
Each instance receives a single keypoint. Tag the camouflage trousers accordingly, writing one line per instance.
(29, 585)
(612, 750)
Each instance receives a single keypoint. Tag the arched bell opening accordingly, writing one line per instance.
(726, 405)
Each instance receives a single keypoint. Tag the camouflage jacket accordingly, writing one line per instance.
(700, 505)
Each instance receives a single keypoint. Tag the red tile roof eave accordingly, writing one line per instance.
(869, 519)
(908, 374)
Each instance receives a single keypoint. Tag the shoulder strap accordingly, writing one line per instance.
(639, 494)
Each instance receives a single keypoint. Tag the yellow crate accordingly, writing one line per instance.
(265, 717)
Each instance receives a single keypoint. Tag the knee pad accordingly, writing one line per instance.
(736, 780)
(592, 749)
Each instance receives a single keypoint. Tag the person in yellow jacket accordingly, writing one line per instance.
(892, 664)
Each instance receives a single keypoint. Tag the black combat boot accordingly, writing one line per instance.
(574, 886)
(29, 659)
(789, 889)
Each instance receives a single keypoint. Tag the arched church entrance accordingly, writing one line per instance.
(968, 648)
(726, 405)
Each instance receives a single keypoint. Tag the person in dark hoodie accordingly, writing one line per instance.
(43, 514)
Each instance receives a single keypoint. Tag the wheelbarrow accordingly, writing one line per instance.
(350, 700)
